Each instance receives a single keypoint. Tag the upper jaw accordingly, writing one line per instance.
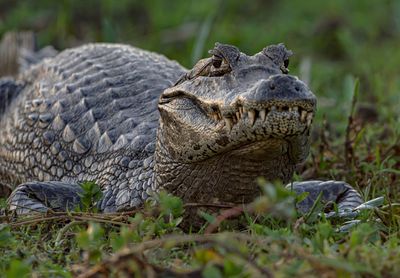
(295, 115)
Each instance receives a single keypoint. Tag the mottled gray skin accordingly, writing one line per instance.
(117, 115)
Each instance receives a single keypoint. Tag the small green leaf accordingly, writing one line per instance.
(18, 269)
(231, 268)
(91, 193)
(170, 205)
(92, 241)
(208, 217)
(6, 238)
(302, 196)
(325, 230)
(211, 271)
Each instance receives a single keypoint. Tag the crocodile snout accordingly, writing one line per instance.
(280, 100)
(281, 88)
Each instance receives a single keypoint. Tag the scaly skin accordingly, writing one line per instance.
(111, 113)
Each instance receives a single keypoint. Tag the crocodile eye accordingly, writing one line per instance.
(219, 64)
(219, 67)
(216, 61)
(284, 67)
(286, 63)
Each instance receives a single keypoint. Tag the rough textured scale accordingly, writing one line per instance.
(136, 122)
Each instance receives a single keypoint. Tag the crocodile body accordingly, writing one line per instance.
(136, 122)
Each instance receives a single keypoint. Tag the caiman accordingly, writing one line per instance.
(136, 123)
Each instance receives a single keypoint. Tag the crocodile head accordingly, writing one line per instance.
(230, 119)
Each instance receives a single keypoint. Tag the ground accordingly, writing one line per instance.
(346, 51)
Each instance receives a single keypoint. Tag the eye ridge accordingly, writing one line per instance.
(215, 66)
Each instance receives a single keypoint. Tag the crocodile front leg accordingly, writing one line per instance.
(339, 192)
(41, 196)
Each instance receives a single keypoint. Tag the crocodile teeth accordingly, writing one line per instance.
(252, 116)
(303, 116)
(263, 114)
(238, 115)
(309, 118)
(228, 123)
(234, 119)
(215, 117)
(241, 111)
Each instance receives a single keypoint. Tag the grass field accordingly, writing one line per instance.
(348, 51)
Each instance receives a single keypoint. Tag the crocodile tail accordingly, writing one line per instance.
(18, 51)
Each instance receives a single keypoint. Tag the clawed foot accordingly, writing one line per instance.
(329, 192)
(44, 196)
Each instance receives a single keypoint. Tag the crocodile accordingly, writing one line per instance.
(137, 123)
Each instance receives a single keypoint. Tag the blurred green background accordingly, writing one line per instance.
(334, 41)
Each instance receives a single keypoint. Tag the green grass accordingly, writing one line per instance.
(349, 52)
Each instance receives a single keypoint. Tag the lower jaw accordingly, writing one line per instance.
(230, 177)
